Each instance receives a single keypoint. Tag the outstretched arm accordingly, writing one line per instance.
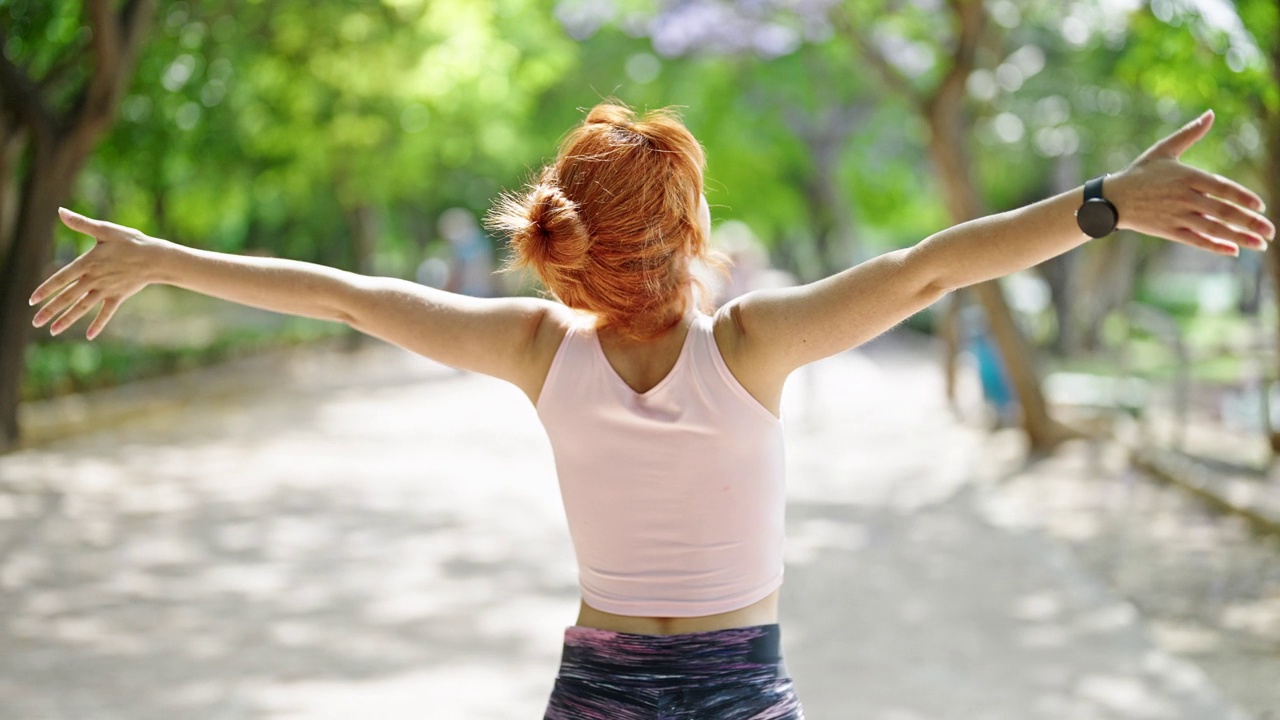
(785, 328)
(486, 335)
(124, 260)
(1156, 195)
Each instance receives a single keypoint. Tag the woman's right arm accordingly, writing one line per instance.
(125, 260)
(493, 336)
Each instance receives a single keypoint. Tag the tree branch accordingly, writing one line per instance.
(971, 21)
(115, 44)
(889, 74)
(106, 55)
(133, 19)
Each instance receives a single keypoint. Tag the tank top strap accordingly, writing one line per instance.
(572, 355)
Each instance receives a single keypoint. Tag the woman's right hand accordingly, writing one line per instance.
(117, 266)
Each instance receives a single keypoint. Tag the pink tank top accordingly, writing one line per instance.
(674, 496)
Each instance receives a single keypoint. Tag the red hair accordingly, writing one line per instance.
(612, 226)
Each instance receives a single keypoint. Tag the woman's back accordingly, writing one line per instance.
(675, 494)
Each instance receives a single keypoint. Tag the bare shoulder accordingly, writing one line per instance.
(556, 319)
(762, 378)
(554, 322)
(727, 328)
(780, 329)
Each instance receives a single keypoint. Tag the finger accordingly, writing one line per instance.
(1227, 189)
(1236, 215)
(60, 302)
(1197, 239)
(76, 312)
(104, 316)
(83, 224)
(1214, 227)
(71, 272)
(1177, 143)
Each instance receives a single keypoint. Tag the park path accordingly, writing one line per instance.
(376, 536)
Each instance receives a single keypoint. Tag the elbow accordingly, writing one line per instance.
(343, 312)
(344, 319)
(929, 275)
(934, 293)
(346, 301)
(935, 288)
(929, 291)
(350, 314)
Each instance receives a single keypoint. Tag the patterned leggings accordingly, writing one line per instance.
(735, 674)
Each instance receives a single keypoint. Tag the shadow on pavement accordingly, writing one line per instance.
(357, 543)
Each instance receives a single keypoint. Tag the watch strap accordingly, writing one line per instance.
(1093, 188)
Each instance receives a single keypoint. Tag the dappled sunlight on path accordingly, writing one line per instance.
(395, 536)
(904, 602)
(382, 537)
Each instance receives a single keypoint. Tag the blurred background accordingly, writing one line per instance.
(1119, 403)
(372, 136)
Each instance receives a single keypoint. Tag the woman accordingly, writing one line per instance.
(663, 418)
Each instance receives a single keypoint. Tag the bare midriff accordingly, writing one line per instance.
(764, 612)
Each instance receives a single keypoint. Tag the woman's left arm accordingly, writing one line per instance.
(1156, 195)
(782, 329)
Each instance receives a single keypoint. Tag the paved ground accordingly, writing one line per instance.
(1208, 586)
(377, 536)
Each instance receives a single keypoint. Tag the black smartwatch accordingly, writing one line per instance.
(1097, 217)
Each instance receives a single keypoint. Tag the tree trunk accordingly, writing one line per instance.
(831, 220)
(44, 189)
(61, 139)
(13, 144)
(947, 143)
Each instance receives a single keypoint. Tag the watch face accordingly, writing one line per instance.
(1096, 217)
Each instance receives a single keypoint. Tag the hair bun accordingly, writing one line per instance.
(553, 236)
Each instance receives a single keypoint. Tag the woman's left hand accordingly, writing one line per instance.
(1159, 195)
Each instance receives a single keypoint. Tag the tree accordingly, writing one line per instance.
(1227, 59)
(940, 97)
(269, 135)
(245, 128)
(59, 98)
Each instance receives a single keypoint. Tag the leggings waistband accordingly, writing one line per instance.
(739, 654)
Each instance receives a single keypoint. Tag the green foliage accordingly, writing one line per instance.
(268, 126)
(71, 365)
(1188, 64)
(247, 127)
(41, 36)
